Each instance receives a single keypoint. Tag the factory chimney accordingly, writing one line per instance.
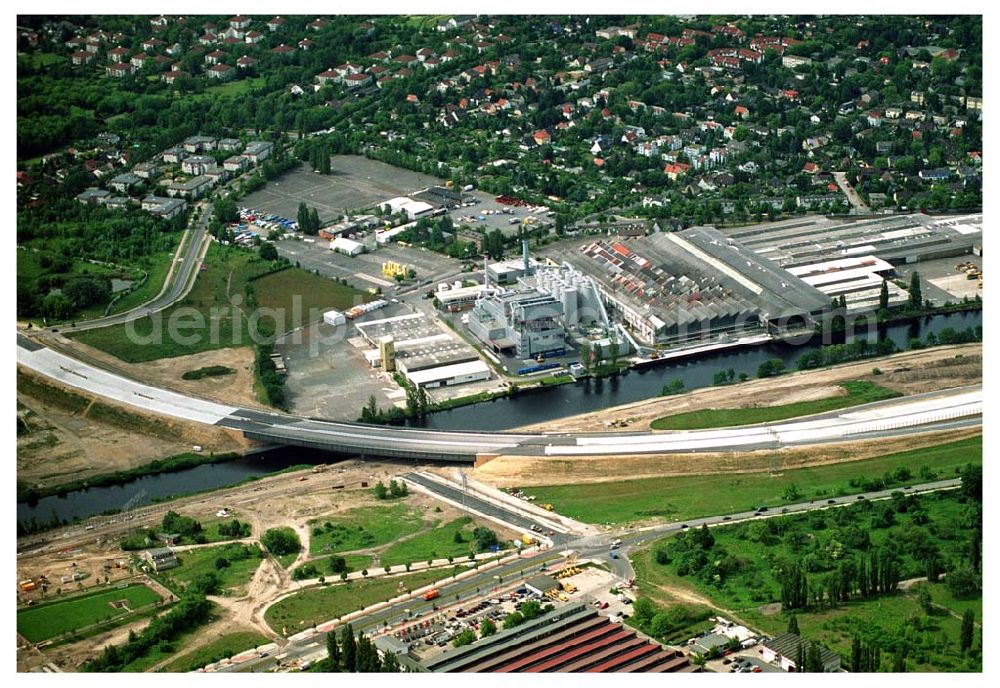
(524, 254)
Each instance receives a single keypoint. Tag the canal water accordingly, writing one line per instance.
(501, 414)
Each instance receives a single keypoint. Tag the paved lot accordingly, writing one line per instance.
(487, 214)
(940, 281)
(365, 271)
(328, 377)
(355, 183)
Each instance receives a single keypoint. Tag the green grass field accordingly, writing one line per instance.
(858, 392)
(320, 604)
(437, 543)
(936, 643)
(933, 639)
(36, 60)
(354, 562)
(315, 294)
(53, 619)
(157, 266)
(705, 495)
(197, 562)
(229, 273)
(363, 528)
(231, 88)
(223, 647)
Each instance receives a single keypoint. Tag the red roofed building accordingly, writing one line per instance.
(220, 72)
(542, 137)
(676, 169)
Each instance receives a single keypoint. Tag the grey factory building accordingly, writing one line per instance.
(527, 323)
(672, 288)
(896, 239)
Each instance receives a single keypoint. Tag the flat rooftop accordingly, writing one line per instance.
(893, 238)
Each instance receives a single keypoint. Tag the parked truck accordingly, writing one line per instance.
(432, 595)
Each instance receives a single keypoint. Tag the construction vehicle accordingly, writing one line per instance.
(547, 507)
(568, 587)
(432, 595)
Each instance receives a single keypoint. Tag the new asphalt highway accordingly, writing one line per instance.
(952, 408)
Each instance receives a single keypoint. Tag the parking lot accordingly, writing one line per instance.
(489, 214)
(354, 183)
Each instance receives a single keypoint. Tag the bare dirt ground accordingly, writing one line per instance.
(519, 471)
(63, 445)
(236, 389)
(912, 372)
(283, 500)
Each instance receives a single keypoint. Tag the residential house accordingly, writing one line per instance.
(230, 145)
(258, 151)
(276, 24)
(357, 80)
(117, 54)
(124, 182)
(215, 57)
(146, 170)
(93, 196)
(198, 143)
(81, 57)
(119, 70)
(139, 60)
(239, 22)
(675, 170)
(171, 77)
(222, 72)
(236, 163)
(253, 37)
(246, 62)
(196, 164)
(192, 188)
(174, 154)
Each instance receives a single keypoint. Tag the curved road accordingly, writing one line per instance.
(960, 407)
(183, 273)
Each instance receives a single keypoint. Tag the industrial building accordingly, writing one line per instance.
(784, 651)
(347, 246)
(671, 288)
(858, 280)
(896, 239)
(575, 638)
(526, 323)
(419, 350)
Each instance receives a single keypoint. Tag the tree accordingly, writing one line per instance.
(487, 628)
(281, 541)
(916, 300)
(381, 491)
(643, 610)
(332, 652)
(925, 600)
(968, 628)
(458, 538)
(268, 251)
(793, 624)
(883, 296)
(348, 649)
